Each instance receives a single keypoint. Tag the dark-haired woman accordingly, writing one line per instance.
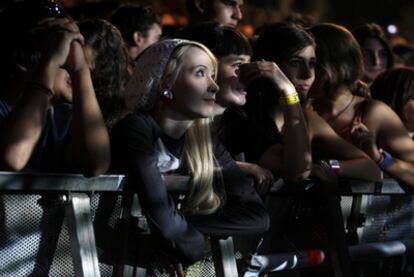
(377, 53)
(368, 124)
(395, 87)
(262, 123)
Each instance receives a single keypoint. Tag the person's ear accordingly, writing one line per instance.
(138, 38)
(201, 5)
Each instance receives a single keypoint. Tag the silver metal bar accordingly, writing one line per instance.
(82, 237)
(29, 182)
(223, 257)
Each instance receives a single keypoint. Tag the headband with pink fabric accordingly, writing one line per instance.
(142, 88)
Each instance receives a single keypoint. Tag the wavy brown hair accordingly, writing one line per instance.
(340, 61)
(110, 73)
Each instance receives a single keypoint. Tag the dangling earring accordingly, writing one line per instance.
(167, 95)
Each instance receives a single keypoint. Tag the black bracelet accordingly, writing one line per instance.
(40, 87)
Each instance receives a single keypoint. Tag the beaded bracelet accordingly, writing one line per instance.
(40, 87)
(289, 100)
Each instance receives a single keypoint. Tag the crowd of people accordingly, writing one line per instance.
(112, 94)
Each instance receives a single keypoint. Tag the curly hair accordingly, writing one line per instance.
(111, 72)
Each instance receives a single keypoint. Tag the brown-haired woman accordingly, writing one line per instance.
(369, 124)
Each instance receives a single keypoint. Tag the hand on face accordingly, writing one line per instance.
(57, 37)
(269, 70)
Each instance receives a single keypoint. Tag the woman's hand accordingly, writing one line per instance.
(263, 179)
(324, 174)
(365, 140)
(56, 36)
(264, 69)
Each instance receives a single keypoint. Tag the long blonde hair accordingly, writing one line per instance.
(198, 154)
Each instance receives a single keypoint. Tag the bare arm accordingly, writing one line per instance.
(296, 151)
(263, 177)
(88, 148)
(392, 136)
(23, 128)
(354, 163)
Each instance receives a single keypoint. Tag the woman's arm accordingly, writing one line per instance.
(22, 129)
(132, 143)
(88, 147)
(391, 136)
(263, 178)
(327, 144)
(296, 151)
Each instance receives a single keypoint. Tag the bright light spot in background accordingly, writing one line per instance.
(392, 29)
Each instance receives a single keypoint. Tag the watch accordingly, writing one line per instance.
(334, 165)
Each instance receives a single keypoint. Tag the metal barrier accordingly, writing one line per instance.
(75, 197)
(344, 244)
(58, 194)
(34, 251)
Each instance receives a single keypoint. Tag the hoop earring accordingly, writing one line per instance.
(167, 95)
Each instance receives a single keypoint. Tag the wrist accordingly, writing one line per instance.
(331, 165)
(290, 99)
(34, 86)
(334, 166)
(385, 160)
(45, 74)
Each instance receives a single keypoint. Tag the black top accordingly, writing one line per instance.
(134, 152)
(241, 134)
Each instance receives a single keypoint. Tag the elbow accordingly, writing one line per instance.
(13, 162)
(94, 170)
(13, 165)
(90, 167)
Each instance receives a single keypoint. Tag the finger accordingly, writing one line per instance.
(52, 22)
(260, 187)
(78, 37)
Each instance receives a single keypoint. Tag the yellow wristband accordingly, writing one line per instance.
(291, 99)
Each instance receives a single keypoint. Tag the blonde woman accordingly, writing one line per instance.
(172, 93)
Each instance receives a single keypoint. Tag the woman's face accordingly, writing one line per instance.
(375, 59)
(194, 92)
(231, 92)
(300, 69)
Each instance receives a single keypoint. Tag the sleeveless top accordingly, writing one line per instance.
(359, 114)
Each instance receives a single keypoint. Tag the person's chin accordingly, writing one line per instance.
(239, 97)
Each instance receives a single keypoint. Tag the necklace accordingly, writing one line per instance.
(331, 118)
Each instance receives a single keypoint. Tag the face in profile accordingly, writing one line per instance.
(300, 69)
(195, 88)
(227, 12)
(375, 58)
(153, 35)
(232, 92)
